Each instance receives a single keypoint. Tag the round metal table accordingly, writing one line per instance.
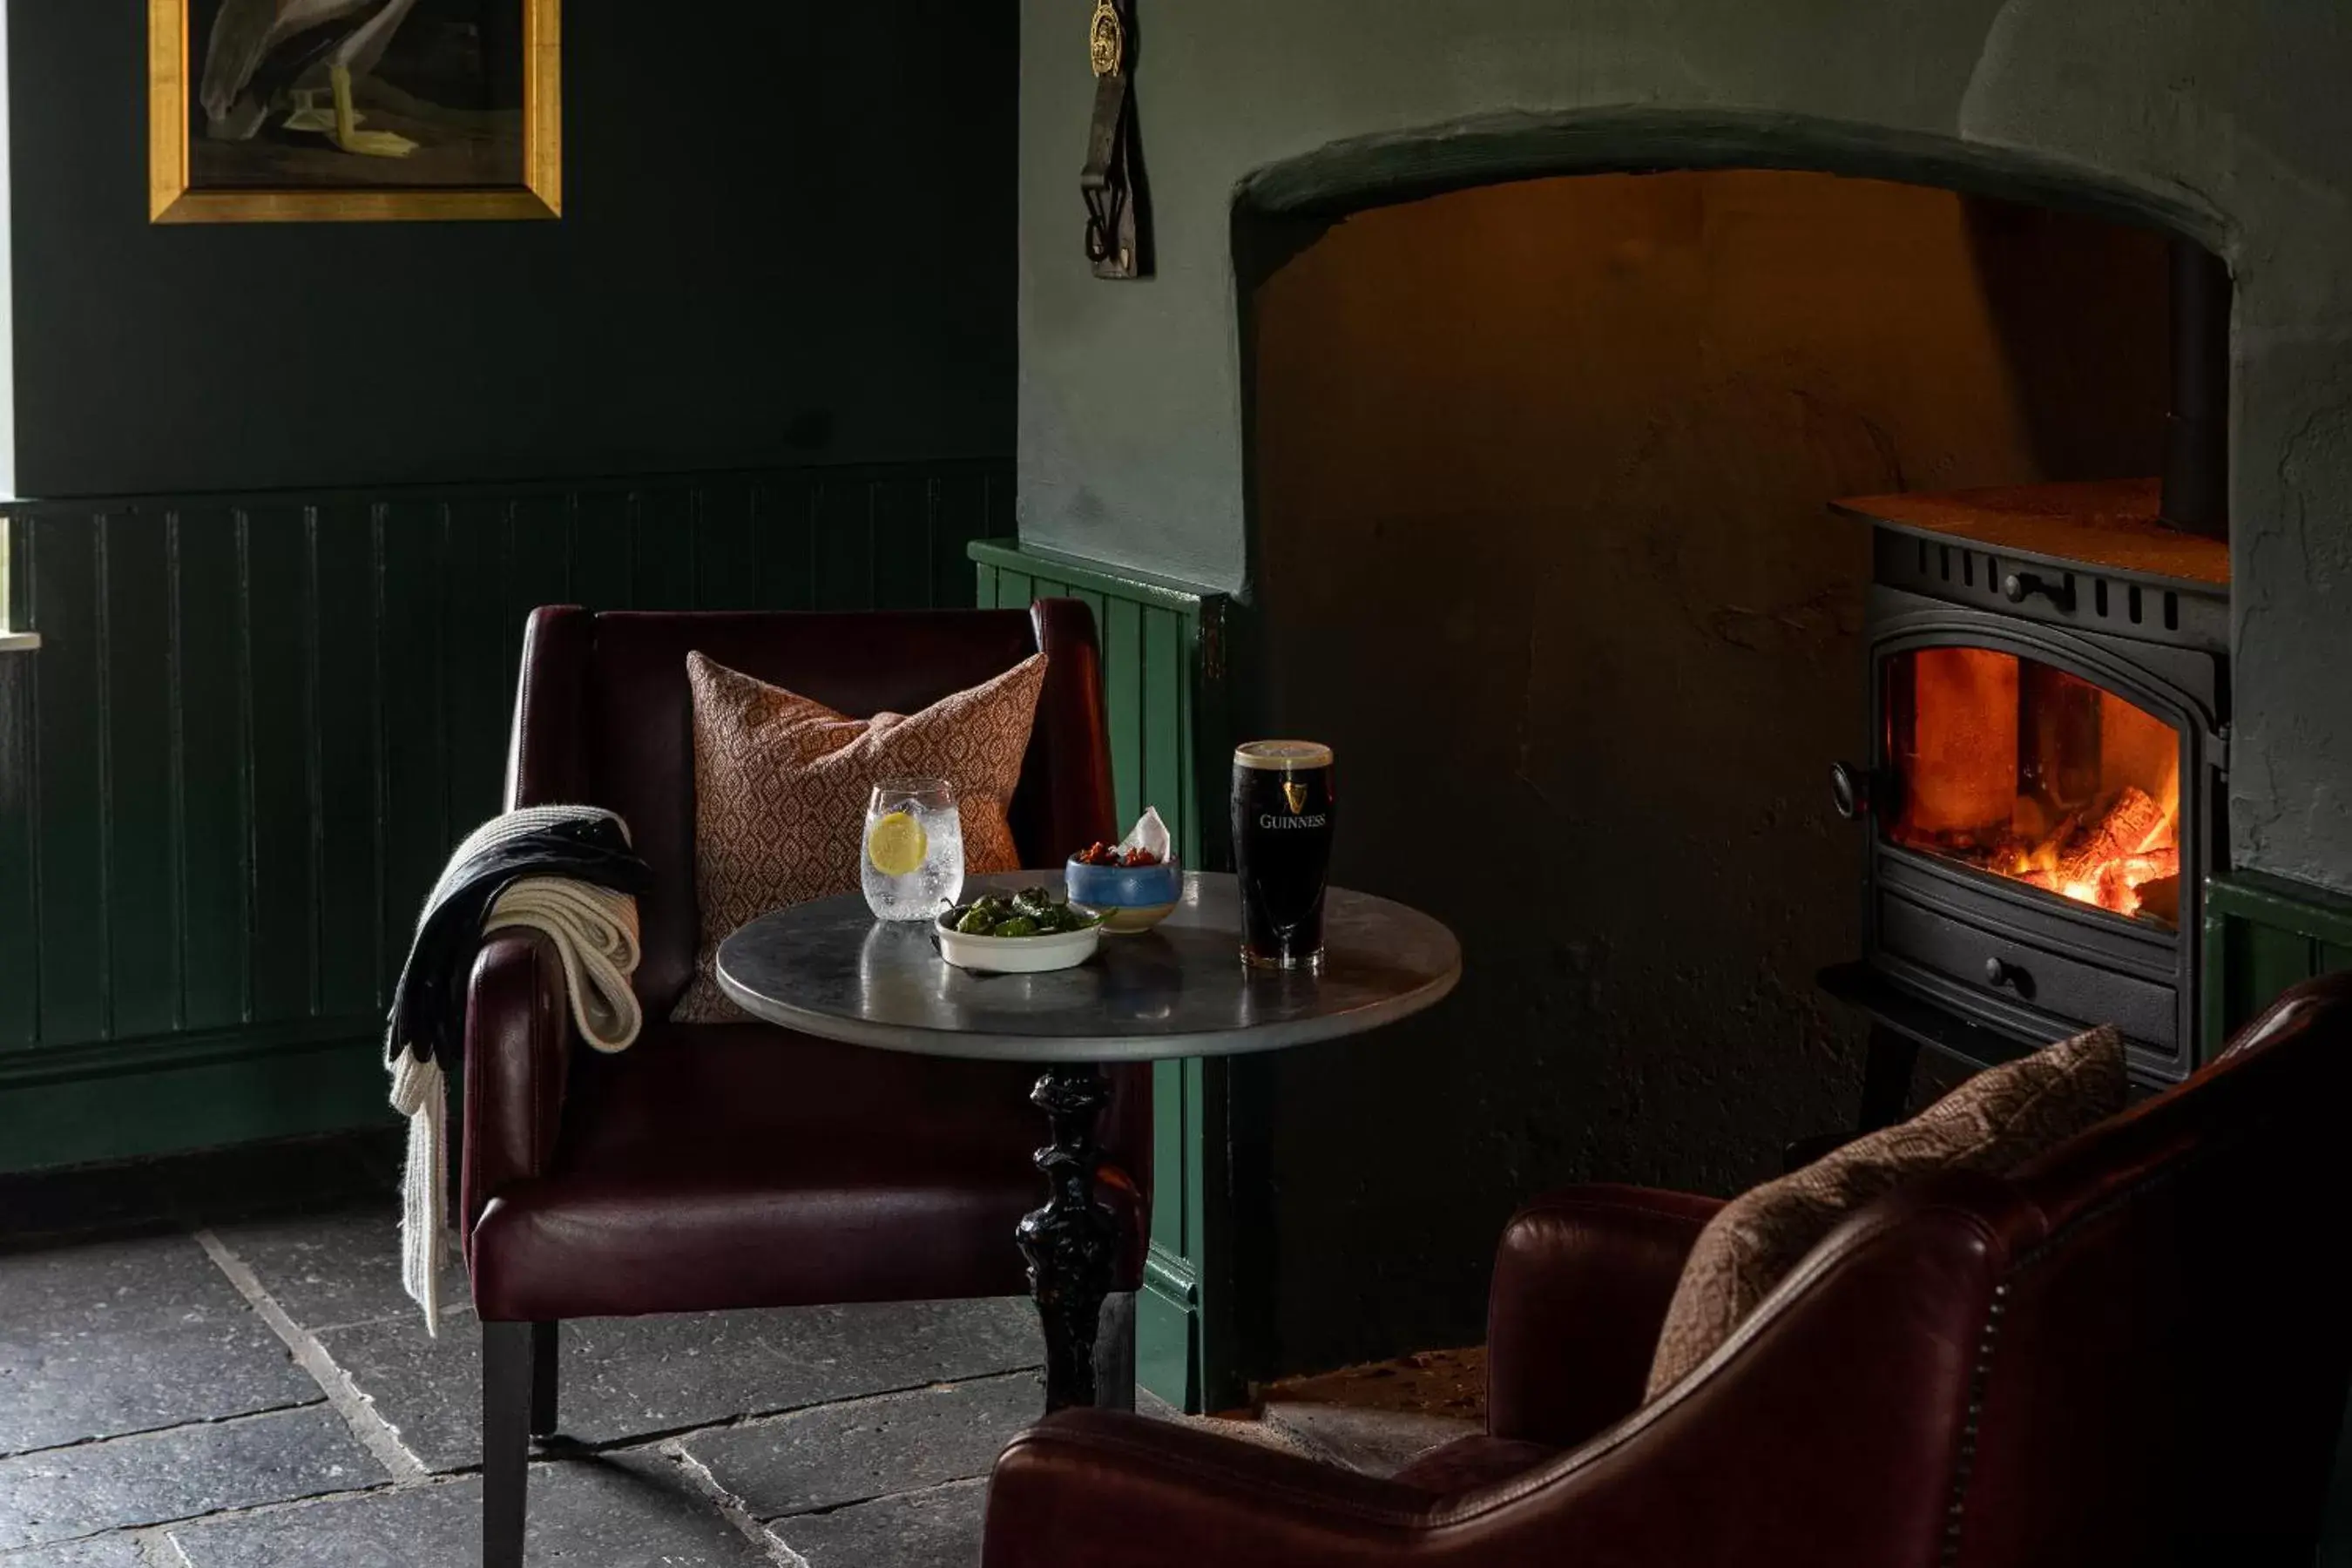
(829, 968)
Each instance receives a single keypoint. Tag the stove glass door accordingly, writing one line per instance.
(2020, 770)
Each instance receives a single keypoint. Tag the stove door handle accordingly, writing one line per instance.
(1998, 973)
(1849, 790)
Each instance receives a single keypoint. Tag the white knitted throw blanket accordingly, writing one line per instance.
(595, 934)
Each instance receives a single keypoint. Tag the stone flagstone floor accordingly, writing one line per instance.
(209, 1364)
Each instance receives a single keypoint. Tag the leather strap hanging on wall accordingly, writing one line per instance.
(1118, 229)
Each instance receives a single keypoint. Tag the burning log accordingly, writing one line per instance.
(2115, 890)
(2124, 857)
(2133, 826)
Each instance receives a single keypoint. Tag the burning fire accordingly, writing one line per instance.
(2104, 858)
(2038, 776)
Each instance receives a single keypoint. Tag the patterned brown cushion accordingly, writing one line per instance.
(781, 784)
(1994, 1122)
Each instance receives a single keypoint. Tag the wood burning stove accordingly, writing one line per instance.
(2043, 787)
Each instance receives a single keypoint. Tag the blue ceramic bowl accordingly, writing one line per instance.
(1128, 898)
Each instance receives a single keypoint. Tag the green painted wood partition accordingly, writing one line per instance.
(1163, 675)
(2263, 934)
(255, 726)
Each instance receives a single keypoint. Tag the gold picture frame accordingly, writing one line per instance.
(174, 198)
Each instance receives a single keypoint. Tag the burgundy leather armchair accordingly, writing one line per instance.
(729, 1166)
(2131, 1353)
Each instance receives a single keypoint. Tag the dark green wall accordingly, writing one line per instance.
(787, 236)
(300, 483)
(255, 726)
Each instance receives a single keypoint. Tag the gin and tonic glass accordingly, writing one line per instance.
(911, 864)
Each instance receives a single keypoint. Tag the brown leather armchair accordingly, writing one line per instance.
(728, 1165)
(2130, 1353)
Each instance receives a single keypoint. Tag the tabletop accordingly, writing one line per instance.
(829, 968)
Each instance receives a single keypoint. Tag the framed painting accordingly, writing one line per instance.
(291, 110)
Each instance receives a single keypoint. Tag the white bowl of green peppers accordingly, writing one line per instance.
(1032, 932)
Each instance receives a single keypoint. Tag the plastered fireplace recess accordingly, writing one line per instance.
(1541, 470)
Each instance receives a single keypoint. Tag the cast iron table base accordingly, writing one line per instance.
(1072, 1243)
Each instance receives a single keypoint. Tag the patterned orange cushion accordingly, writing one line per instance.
(781, 784)
(1994, 1122)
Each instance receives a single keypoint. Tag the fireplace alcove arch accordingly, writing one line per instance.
(1495, 149)
(1281, 207)
(1282, 210)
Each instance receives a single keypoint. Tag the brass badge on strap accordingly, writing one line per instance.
(1106, 39)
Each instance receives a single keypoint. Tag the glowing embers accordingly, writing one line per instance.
(2021, 770)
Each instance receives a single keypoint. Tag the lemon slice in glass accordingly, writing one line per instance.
(897, 844)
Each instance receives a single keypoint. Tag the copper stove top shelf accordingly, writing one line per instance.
(2109, 523)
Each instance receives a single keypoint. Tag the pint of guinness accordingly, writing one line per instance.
(1284, 807)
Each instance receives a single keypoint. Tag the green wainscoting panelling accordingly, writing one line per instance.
(256, 726)
(1163, 679)
(2263, 934)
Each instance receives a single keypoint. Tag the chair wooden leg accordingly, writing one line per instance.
(507, 1357)
(1114, 1354)
(543, 1337)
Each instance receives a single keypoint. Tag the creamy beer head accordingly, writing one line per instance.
(1282, 755)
